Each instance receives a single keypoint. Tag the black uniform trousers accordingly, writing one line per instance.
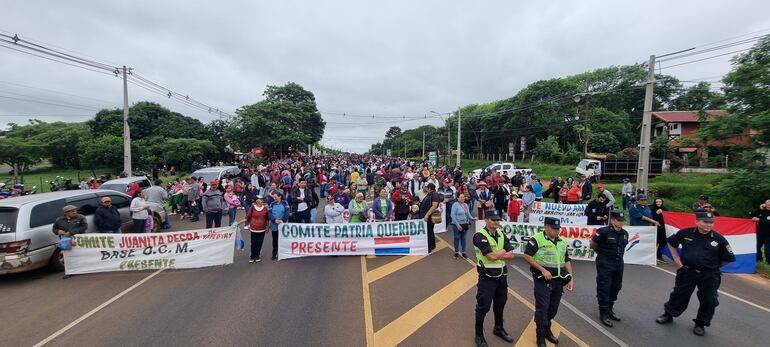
(490, 290)
(547, 297)
(609, 279)
(431, 235)
(687, 279)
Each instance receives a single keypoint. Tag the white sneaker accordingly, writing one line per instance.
(251, 260)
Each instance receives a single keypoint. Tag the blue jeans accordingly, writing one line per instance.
(166, 222)
(313, 215)
(231, 215)
(459, 237)
(324, 188)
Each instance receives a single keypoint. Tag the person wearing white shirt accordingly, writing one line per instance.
(139, 208)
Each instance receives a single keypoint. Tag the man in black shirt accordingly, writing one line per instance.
(762, 217)
(428, 205)
(610, 245)
(596, 211)
(704, 251)
(492, 248)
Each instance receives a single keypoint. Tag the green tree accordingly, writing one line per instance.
(288, 116)
(147, 119)
(60, 140)
(183, 152)
(698, 97)
(393, 132)
(103, 151)
(747, 93)
(548, 150)
(20, 154)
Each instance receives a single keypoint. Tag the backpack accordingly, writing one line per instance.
(286, 182)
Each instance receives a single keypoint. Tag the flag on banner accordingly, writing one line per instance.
(391, 245)
(739, 232)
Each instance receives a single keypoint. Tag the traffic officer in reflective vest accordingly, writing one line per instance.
(551, 268)
(704, 251)
(492, 249)
(610, 244)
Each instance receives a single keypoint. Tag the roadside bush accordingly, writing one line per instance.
(571, 156)
(742, 187)
(547, 150)
(630, 152)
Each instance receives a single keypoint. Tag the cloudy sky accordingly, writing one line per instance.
(361, 58)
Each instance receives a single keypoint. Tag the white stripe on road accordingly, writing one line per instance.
(725, 294)
(579, 313)
(97, 309)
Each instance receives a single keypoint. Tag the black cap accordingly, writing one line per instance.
(706, 216)
(641, 197)
(703, 197)
(492, 214)
(552, 222)
(617, 215)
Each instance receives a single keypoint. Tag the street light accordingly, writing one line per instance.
(448, 135)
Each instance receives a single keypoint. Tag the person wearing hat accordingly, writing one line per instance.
(641, 214)
(107, 217)
(70, 223)
(257, 219)
(704, 252)
(492, 248)
(211, 203)
(609, 243)
(551, 267)
(703, 205)
(484, 198)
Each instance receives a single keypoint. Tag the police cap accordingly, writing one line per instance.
(492, 214)
(617, 215)
(552, 222)
(704, 216)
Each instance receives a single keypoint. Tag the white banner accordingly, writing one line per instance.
(407, 237)
(567, 213)
(152, 251)
(640, 249)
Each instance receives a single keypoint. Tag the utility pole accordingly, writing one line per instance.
(423, 145)
(585, 110)
(448, 139)
(644, 143)
(459, 122)
(126, 130)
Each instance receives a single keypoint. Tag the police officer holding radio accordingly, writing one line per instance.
(610, 245)
(492, 248)
(551, 268)
(704, 251)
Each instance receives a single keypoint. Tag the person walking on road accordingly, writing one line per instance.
(492, 248)
(461, 223)
(139, 208)
(609, 243)
(107, 217)
(704, 251)
(257, 220)
(278, 213)
(428, 206)
(762, 217)
(551, 267)
(211, 203)
(658, 208)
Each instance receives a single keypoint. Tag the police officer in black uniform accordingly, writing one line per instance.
(704, 251)
(610, 245)
(548, 257)
(492, 249)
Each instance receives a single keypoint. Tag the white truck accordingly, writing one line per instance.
(508, 169)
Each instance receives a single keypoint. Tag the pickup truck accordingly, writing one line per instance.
(617, 167)
(508, 169)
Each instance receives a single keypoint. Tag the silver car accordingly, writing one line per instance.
(26, 238)
(124, 184)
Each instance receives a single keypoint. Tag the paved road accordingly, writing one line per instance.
(347, 301)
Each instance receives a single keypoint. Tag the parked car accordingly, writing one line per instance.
(508, 169)
(26, 238)
(215, 172)
(124, 184)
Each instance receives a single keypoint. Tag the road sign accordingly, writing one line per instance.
(432, 157)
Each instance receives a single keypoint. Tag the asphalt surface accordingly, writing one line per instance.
(411, 301)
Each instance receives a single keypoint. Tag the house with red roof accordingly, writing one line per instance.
(682, 129)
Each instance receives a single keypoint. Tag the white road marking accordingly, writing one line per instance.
(725, 294)
(97, 309)
(578, 312)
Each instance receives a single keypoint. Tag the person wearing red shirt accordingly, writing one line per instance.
(514, 208)
(402, 200)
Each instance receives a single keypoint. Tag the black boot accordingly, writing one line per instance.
(611, 313)
(541, 338)
(665, 318)
(604, 316)
(480, 341)
(500, 332)
(550, 336)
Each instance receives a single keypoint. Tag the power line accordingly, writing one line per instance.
(48, 103)
(55, 91)
(706, 58)
(716, 48)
